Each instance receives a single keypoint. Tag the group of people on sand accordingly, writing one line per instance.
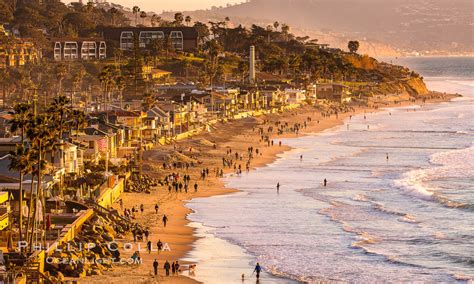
(172, 269)
(131, 213)
(176, 183)
(178, 179)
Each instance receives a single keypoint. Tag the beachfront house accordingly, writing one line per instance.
(333, 92)
(157, 124)
(274, 96)
(295, 96)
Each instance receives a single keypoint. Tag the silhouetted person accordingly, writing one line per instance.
(167, 267)
(257, 270)
(155, 267)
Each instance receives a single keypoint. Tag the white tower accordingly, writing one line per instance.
(252, 65)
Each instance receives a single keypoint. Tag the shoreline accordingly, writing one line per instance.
(180, 236)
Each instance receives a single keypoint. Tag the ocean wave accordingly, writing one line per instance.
(449, 164)
(468, 83)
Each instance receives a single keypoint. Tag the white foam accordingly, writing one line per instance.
(450, 164)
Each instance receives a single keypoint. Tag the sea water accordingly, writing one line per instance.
(398, 205)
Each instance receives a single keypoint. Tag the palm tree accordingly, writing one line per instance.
(21, 118)
(285, 29)
(276, 24)
(59, 110)
(187, 65)
(61, 71)
(113, 12)
(20, 161)
(178, 19)
(79, 120)
(41, 136)
(187, 20)
(143, 15)
(77, 81)
(106, 78)
(121, 84)
(136, 10)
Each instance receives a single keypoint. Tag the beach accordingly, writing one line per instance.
(207, 149)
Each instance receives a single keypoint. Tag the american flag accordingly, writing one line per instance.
(102, 144)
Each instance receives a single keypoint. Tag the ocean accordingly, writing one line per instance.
(398, 206)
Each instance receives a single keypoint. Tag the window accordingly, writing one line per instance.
(102, 50)
(70, 50)
(176, 38)
(57, 51)
(126, 40)
(146, 38)
(88, 50)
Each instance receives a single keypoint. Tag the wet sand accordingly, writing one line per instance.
(237, 135)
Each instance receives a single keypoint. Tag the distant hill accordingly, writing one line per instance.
(433, 26)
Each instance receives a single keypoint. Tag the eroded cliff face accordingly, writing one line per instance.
(416, 87)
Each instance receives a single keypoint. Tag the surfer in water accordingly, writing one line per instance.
(325, 182)
(278, 187)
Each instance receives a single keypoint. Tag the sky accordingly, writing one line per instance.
(175, 5)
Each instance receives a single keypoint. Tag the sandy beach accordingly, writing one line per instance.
(207, 149)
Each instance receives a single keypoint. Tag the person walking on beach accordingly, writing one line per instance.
(155, 267)
(173, 269)
(325, 182)
(156, 208)
(167, 267)
(148, 246)
(278, 187)
(146, 233)
(301, 157)
(257, 270)
(176, 268)
(142, 208)
(195, 187)
(165, 220)
(159, 246)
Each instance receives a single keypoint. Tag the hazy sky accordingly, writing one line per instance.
(175, 5)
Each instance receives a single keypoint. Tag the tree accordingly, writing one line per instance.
(79, 120)
(106, 78)
(6, 14)
(148, 101)
(59, 110)
(156, 49)
(213, 49)
(276, 24)
(61, 71)
(203, 32)
(41, 136)
(353, 46)
(178, 19)
(20, 162)
(187, 20)
(242, 69)
(143, 15)
(136, 10)
(21, 118)
(155, 20)
(285, 29)
(113, 12)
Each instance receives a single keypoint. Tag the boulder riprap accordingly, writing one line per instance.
(92, 251)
